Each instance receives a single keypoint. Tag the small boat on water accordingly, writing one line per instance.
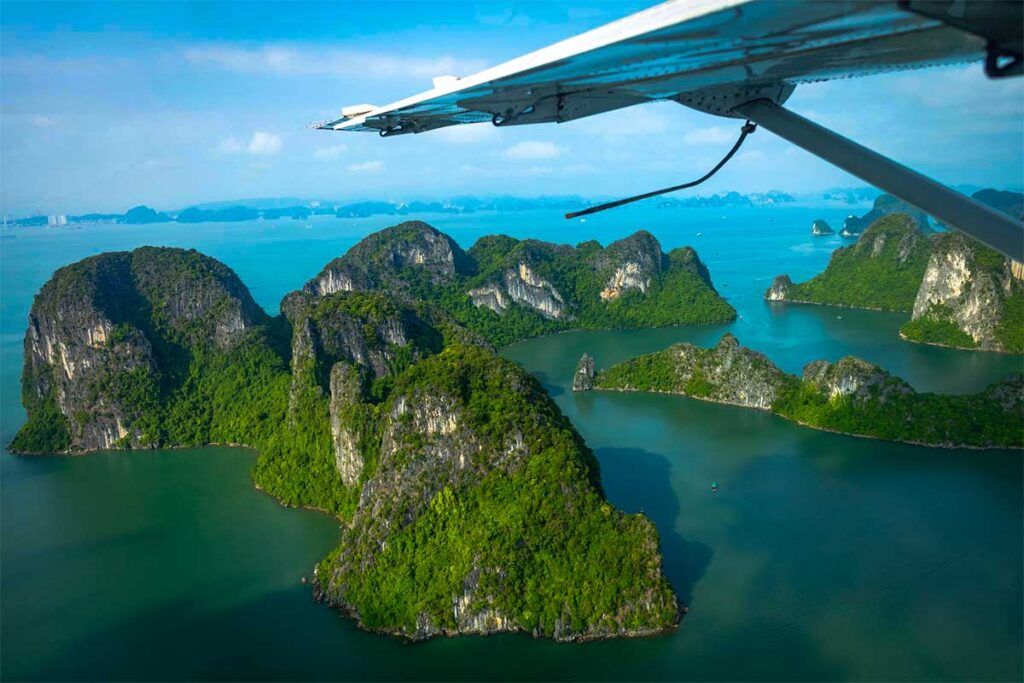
(714, 487)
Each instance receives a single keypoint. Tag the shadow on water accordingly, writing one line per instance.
(550, 387)
(636, 480)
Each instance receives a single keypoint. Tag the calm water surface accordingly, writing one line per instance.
(821, 556)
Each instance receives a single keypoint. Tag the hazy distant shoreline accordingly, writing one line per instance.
(302, 209)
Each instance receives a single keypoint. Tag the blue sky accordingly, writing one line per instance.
(108, 105)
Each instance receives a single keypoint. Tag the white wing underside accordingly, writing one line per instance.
(677, 49)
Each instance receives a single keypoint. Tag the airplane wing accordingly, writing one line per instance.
(681, 48)
(740, 59)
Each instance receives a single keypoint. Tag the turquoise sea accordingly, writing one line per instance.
(821, 556)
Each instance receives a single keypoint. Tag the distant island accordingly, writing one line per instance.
(884, 205)
(959, 292)
(248, 210)
(376, 396)
(730, 199)
(850, 396)
(821, 228)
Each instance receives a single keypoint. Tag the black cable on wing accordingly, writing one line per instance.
(746, 130)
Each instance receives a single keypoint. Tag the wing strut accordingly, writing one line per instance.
(995, 229)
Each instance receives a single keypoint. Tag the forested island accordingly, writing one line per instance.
(470, 504)
(959, 292)
(506, 289)
(850, 396)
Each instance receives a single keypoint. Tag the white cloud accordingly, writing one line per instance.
(374, 166)
(714, 135)
(533, 149)
(332, 152)
(261, 143)
(264, 143)
(755, 155)
(285, 60)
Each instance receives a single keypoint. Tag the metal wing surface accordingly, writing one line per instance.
(675, 50)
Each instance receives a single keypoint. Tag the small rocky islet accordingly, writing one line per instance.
(469, 502)
(821, 228)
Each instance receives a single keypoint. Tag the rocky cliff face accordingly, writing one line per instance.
(527, 288)
(631, 282)
(106, 333)
(779, 289)
(368, 330)
(192, 295)
(341, 344)
(391, 258)
(517, 273)
(901, 246)
(490, 296)
(629, 264)
(437, 440)
(729, 373)
(970, 295)
(969, 286)
(885, 205)
(583, 379)
(725, 373)
(856, 379)
(346, 392)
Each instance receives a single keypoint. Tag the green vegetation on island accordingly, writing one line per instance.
(507, 289)
(883, 270)
(970, 296)
(850, 396)
(509, 530)
(470, 503)
(935, 326)
(959, 292)
(226, 215)
(885, 205)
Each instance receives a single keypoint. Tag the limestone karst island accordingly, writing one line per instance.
(561, 341)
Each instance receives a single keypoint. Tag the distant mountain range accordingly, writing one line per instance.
(301, 209)
(276, 208)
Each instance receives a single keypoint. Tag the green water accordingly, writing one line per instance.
(820, 556)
